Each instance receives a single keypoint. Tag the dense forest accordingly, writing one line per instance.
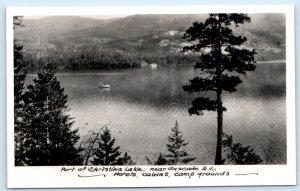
(91, 58)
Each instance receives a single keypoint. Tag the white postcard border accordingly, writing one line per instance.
(52, 177)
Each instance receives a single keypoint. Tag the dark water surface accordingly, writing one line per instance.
(143, 105)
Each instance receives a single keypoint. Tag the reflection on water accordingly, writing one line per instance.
(143, 105)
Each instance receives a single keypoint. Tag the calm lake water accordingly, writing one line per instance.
(143, 105)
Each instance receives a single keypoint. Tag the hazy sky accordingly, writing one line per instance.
(89, 16)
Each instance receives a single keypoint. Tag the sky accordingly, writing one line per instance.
(88, 16)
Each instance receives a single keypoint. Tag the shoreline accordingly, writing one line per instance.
(270, 62)
(33, 73)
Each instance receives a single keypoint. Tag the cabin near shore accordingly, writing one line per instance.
(144, 64)
(153, 65)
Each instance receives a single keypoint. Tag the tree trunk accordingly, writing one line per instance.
(219, 159)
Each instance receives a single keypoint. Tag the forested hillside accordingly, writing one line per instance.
(73, 42)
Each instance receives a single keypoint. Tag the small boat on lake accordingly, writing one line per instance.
(104, 86)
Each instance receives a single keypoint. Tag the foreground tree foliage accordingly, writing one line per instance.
(270, 149)
(239, 154)
(161, 160)
(221, 58)
(49, 139)
(176, 154)
(19, 78)
(125, 160)
(107, 153)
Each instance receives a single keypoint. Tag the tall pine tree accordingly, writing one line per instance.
(49, 137)
(19, 78)
(106, 153)
(221, 58)
(177, 154)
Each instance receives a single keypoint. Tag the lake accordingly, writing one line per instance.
(143, 105)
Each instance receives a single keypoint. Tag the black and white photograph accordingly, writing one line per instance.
(127, 89)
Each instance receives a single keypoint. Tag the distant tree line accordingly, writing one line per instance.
(85, 58)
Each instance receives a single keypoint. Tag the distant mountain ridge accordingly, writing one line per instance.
(139, 35)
